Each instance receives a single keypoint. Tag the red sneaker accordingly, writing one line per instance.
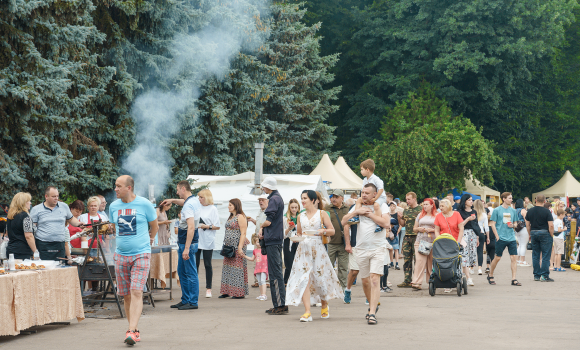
(130, 338)
(137, 335)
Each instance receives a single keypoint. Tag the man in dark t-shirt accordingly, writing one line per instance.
(540, 224)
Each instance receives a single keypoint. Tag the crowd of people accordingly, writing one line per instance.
(310, 253)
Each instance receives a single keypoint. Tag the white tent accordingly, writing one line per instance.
(566, 186)
(487, 194)
(224, 188)
(329, 173)
(343, 169)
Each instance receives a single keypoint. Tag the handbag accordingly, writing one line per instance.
(228, 251)
(325, 238)
(425, 247)
(519, 226)
(529, 245)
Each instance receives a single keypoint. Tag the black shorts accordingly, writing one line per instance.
(500, 245)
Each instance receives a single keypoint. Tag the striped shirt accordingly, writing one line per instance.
(51, 223)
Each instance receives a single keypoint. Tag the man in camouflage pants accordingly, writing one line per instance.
(407, 218)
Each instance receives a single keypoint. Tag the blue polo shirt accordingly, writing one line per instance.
(51, 223)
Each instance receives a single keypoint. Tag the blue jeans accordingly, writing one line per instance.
(541, 244)
(187, 271)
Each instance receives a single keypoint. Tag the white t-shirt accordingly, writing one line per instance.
(366, 237)
(84, 218)
(375, 180)
(103, 215)
(558, 226)
(209, 215)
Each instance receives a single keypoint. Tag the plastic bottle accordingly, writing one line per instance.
(36, 255)
(11, 262)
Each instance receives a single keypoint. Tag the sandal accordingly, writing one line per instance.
(369, 312)
(372, 319)
(324, 312)
(516, 283)
(307, 317)
(489, 279)
(415, 288)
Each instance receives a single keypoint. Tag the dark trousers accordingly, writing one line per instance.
(541, 244)
(276, 275)
(384, 276)
(482, 241)
(289, 254)
(207, 254)
(50, 250)
(490, 248)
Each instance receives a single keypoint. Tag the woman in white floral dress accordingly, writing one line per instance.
(313, 279)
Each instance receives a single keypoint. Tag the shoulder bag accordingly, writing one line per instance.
(228, 251)
(339, 224)
(325, 238)
(425, 247)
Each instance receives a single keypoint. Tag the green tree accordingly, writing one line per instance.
(490, 61)
(50, 87)
(425, 149)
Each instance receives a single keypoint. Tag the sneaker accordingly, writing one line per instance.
(137, 335)
(471, 272)
(176, 306)
(259, 297)
(525, 264)
(354, 283)
(447, 290)
(397, 267)
(536, 278)
(353, 221)
(187, 307)
(281, 310)
(546, 279)
(479, 272)
(389, 284)
(264, 297)
(470, 282)
(130, 338)
(404, 285)
(366, 301)
(208, 294)
(388, 290)
(347, 296)
(392, 265)
(269, 311)
(487, 270)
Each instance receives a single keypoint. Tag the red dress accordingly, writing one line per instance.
(261, 262)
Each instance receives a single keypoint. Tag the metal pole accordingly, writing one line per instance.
(259, 167)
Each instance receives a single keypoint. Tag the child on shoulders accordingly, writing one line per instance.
(367, 169)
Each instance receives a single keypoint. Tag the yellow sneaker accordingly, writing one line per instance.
(307, 317)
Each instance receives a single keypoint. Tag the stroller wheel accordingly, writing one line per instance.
(464, 285)
(458, 289)
(432, 289)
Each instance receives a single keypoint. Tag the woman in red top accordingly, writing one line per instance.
(449, 221)
(76, 208)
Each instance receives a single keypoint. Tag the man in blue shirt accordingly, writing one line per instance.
(187, 241)
(501, 224)
(136, 225)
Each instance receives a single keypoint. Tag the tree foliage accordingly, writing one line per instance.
(425, 149)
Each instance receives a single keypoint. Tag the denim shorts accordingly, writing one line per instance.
(500, 245)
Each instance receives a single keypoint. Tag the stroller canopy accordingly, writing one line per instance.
(445, 247)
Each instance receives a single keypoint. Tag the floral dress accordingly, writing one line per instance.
(235, 270)
(312, 262)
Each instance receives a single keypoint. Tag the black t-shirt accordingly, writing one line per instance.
(16, 229)
(539, 217)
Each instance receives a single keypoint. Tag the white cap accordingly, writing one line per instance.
(263, 196)
(270, 183)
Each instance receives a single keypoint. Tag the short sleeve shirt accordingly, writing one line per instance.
(51, 223)
(367, 238)
(449, 225)
(375, 180)
(191, 209)
(132, 225)
(504, 232)
(209, 215)
(558, 227)
(410, 215)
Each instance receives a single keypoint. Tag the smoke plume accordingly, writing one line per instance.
(230, 26)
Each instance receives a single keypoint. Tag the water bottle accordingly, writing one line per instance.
(11, 262)
(36, 255)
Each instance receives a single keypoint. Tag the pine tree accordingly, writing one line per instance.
(50, 85)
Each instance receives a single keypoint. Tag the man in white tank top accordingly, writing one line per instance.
(371, 248)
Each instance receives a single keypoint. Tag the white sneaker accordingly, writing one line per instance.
(471, 271)
(479, 272)
(264, 297)
(389, 284)
(447, 290)
(525, 264)
(259, 297)
(208, 294)
(470, 282)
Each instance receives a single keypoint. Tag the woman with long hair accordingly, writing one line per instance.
(235, 270)
(312, 279)
(425, 229)
(290, 220)
(522, 236)
(211, 224)
(471, 235)
(19, 227)
(163, 233)
(484, 228)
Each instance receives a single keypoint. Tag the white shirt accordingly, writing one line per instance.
(558, 226)
(366, 237)
(260, 220)
(103, 215)
(375, 180)
(209, 215)
(483, 223)
(84, 218)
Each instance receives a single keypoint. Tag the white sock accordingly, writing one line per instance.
(347, 290)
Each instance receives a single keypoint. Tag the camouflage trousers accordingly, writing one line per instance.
(408, 255)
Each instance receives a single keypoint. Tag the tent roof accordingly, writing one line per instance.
(343, 169)
(566, 185)
(479, 189)
(329, 173)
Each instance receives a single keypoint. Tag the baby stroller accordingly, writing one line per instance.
(446, 266)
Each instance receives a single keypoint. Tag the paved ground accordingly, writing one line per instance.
(534, 316)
